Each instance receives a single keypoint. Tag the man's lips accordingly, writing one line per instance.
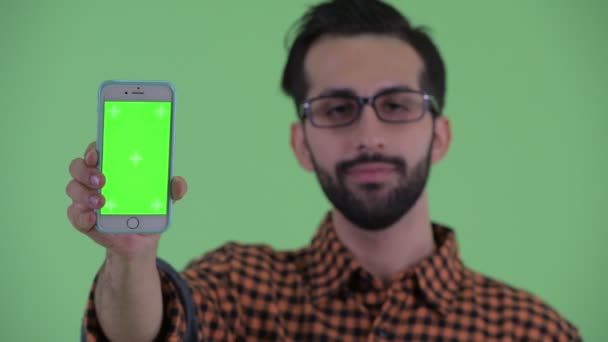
(370, 172)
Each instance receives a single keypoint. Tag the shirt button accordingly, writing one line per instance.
(382, 333)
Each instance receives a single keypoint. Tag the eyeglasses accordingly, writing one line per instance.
(392, 106)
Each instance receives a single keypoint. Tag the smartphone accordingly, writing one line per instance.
(136, 121)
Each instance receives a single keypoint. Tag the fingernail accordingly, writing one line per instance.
(95, 180)
(93, 200)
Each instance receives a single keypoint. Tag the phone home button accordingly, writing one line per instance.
(133, 222)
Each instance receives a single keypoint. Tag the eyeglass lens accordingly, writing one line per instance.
(331, 111)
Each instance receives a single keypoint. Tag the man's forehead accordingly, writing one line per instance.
(363, 62)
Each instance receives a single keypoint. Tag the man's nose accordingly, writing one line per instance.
(369, 131)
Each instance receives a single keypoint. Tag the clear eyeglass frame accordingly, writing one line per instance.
(428, 103)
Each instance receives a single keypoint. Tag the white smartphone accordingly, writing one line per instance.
(135, 136)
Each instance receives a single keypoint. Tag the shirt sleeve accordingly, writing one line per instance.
(215, 304)
(179, 318)
(197, 302)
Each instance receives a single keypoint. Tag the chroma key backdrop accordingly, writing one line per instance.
(523, 185)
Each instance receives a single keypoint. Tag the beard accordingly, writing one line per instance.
(375, 209)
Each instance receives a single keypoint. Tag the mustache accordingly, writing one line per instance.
(343, 166)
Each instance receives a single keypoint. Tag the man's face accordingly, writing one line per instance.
(373, 172)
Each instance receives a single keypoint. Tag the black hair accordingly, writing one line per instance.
(354, 17)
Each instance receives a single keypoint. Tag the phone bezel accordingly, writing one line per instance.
(135, 91)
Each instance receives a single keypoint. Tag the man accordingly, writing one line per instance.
(369, 90)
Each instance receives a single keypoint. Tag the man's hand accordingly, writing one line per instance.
(83, 190)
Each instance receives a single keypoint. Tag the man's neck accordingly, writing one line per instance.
(389, 251)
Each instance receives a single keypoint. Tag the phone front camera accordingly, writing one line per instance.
(126, 92)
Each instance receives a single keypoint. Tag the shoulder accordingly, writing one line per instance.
(520, 311)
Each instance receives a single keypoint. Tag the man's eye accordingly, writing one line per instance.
(396, 107)
(334, 111)
(338, 111)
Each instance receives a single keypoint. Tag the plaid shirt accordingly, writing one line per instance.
(321, 293)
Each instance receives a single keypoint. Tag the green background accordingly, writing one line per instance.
(523, 185)
(135, 185)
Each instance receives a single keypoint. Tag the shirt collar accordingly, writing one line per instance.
(439, 276)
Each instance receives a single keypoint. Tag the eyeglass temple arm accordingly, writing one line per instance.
(434, 105)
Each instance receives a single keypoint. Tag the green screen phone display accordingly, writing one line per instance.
(136, 150)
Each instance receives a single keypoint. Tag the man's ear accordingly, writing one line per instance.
(300, 147)
(442, 138)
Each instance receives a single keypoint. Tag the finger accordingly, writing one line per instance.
(179, 187)
(90, 155)
(82, 218)
(87, 175)
(84, 195)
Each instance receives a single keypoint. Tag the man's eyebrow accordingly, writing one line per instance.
(342, 91)
(338, 91)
